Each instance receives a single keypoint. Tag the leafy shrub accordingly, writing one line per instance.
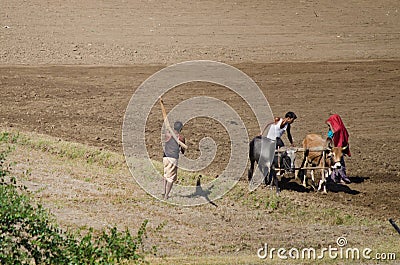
(28, 235)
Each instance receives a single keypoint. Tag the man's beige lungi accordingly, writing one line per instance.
(170, 169)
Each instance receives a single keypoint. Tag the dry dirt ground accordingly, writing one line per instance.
(68, 70)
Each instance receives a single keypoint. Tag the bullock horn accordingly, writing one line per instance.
(345, 147)
(329, 147)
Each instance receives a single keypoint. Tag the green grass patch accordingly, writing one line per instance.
(64, 149)
(29, 234)
(91, 155)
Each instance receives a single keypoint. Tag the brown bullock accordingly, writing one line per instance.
(314, 156)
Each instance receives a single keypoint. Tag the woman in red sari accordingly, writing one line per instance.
(340, 138)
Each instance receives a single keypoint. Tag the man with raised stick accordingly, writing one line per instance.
(174, 143)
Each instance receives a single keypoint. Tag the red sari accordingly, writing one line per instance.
(340, 134)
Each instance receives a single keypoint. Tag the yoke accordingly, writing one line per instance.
(284, 149)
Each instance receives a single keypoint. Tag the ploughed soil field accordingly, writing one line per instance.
(68, 70)
(86, 104)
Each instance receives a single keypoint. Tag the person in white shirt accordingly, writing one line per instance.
(278, 127)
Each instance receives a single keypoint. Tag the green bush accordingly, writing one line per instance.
(28, 235)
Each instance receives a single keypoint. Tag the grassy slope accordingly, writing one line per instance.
(86, 186)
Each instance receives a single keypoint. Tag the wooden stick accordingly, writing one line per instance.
(298, 168)
(394, 225)
(315, 149)
(313, 168)
(168, 126)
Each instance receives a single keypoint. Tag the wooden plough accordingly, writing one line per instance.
(281, 150)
